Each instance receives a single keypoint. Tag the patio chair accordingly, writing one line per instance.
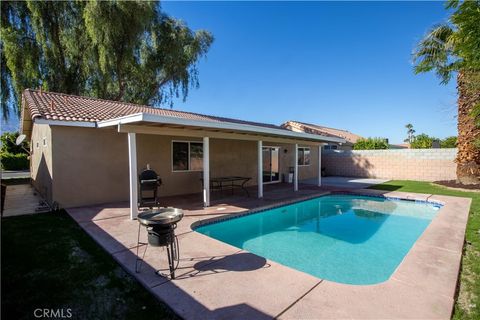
(149, 183)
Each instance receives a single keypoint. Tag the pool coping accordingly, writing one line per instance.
(435, 288)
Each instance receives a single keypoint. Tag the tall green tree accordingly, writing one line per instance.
(120, 50)
(454, 48)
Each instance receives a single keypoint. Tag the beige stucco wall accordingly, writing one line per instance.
(41, 160)
(227, 158)
(156, 150)
(287, 160)
(90, 165)
(404, 164)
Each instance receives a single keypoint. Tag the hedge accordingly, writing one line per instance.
(17, 161)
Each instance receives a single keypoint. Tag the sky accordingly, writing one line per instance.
(345, 65)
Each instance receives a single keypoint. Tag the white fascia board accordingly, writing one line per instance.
(85, 124)
(147, 117)
(137, 117)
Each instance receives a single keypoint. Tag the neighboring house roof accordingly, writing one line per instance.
(351, 138)
(71, 109)
(400, 146)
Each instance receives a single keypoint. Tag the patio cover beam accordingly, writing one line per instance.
(201, 132)
(206, 172)
(319, 182)
(148, 118)
(295, 170)
(132, 165)
(260, 169)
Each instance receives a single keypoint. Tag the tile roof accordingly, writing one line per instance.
(65, 107)
(321, 130)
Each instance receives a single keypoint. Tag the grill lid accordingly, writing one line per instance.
(160, 216)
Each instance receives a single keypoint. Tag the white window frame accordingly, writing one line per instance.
(184, 141)
(310, 150)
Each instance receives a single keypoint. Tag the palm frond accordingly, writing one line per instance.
(436, 52)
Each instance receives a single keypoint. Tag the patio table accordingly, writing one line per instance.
(230, 182)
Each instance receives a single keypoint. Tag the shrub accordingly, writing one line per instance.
(422, 141)
(12, 161)
(371, 144)
(8, 143)
(449, 142)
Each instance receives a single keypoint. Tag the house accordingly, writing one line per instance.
(349, 137)
(88, 151)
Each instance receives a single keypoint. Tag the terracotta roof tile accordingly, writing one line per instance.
(59, 106)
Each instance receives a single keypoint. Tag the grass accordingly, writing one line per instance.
(49, 262)
(467, 305)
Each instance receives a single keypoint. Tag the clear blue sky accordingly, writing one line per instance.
(344, 64)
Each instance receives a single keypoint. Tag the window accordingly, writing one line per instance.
(330, 147)
(44, 142)
(187, 156)
(303, 156)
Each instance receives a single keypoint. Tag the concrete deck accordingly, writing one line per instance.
(218, 281)
(346, 182)
(21, 199)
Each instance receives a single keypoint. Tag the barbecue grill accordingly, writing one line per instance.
(160, 224)
(149, 183)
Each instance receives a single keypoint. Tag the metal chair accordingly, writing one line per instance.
(149, 182)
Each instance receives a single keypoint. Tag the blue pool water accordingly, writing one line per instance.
(343, 238)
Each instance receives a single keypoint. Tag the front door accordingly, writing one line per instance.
(271, 172)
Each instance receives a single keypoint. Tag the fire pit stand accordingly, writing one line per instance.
(160, 224)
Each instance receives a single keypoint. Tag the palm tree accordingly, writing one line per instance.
(410, 133)
(449, 49)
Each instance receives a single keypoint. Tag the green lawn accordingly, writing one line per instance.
(49, 262)
(467, 305)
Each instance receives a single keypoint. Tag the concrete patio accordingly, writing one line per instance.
(346, 182)
(217, 281)
(21, 199)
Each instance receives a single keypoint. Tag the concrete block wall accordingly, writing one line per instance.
(402, 164)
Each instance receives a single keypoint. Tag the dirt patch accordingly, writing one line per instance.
(454, 185)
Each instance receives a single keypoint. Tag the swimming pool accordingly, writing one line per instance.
(343, 238)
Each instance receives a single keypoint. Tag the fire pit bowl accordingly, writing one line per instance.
(161, 216)
(160, 224)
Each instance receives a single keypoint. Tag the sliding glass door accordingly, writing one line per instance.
(271, 168)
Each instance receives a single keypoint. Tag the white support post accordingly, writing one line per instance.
(295, 171)
(319, 183)
(260, 169)
(132, 165)
(206, 172)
